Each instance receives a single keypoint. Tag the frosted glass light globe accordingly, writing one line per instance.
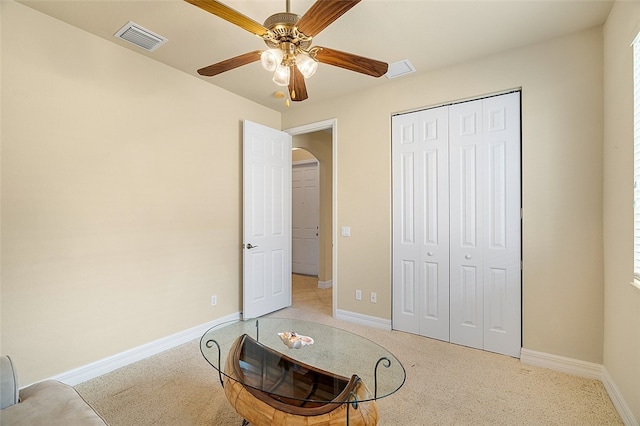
(306, 64)
(281, 76)
(271, 58)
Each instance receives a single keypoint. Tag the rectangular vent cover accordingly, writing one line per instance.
(398, 69)
(141, 37)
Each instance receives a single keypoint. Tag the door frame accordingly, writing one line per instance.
(330, 124)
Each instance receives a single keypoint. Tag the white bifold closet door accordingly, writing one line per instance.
(456, 223)
(421, 223)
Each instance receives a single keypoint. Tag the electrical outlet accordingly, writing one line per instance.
(214, 300)
(374, 297)
(358, 295)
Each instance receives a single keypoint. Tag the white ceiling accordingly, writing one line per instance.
(431, 34)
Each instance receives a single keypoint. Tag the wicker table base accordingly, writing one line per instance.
(259, 413)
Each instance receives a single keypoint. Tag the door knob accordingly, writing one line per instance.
(468, 256)
(429, 253)
(249, 246)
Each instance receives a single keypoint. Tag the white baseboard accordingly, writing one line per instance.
(106, 365)
(583, 369)
(618, 400)
(325, 284)
(362, 319)
(561, 363)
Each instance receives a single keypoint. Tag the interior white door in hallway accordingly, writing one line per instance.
(305, 246)
(266, 220)
(457, 223)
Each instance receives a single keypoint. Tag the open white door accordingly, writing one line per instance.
(266, 220)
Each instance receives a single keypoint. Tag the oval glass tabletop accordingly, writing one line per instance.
(324, 348)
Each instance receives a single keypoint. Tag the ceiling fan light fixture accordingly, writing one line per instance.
(271, 59)
(289, 42)
(281, 75)
(306, 64)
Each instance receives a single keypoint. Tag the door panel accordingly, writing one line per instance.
(421, 223)
(493, 248)
(405, 253)
(305, 219)
(407, 293)
(466, 284)
(502, 273)
(266, 220)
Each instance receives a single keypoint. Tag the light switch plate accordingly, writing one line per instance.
(346, 231)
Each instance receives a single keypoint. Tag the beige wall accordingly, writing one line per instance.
(318, 144)
(562, 127)
(301, 155)
(622, 301)
(121, 196)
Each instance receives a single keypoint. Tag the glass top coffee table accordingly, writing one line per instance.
(275, 369)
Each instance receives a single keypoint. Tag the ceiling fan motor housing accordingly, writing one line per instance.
(283, 27)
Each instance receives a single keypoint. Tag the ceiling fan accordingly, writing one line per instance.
(291, 56)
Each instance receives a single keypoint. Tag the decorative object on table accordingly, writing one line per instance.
(299, 394)
(294, 340)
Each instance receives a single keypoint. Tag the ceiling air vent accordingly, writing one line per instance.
(141, 37)
(398, 69)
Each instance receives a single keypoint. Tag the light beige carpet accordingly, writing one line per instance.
(446, 385)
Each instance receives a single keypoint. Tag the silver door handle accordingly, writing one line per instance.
(468, 256)
(249, 246)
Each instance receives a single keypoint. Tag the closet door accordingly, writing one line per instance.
(502, 226)
(456, 223)
(421, 223)
(485, 218)
(466, 172)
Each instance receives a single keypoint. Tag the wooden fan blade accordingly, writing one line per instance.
(231, 15)
(322, 14)
(297, 86)
(351, 62)
(230, 64)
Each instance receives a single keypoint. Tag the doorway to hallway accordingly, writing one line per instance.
(306, 295)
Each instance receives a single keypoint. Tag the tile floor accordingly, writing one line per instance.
(307, 295)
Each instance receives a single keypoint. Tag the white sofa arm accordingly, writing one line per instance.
(50, 403)
(9, 393)
(47, 403)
